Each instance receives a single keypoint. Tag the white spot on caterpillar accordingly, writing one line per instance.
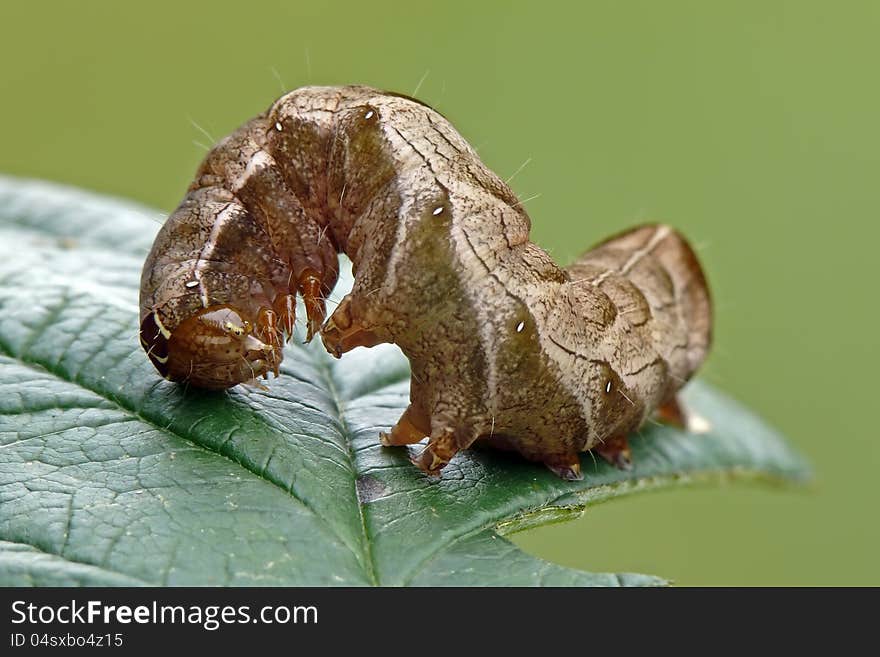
(369, 115)
(278, 126)
(520, 327)
(191, 284)
(608, 387)
(159, 358)
(437, 210)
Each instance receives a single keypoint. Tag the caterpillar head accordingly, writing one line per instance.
(215, 348)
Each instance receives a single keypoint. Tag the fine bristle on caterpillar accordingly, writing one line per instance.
(505, 347)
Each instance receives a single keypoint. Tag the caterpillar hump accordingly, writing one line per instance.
(505, 347)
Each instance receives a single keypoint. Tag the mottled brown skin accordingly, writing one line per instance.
(505, 346)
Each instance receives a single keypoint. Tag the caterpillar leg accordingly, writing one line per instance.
(444, 444)
(565, 466)
(440, 450)
(309, 285)
(344, 331)
(268, 332)
(285, 309)
(292, 230)
(412, 426)
(616, 451)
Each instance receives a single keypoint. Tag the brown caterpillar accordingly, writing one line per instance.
(505, 346)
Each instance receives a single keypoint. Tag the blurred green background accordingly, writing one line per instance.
(751, 126)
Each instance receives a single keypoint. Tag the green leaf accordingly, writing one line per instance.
(110, 475)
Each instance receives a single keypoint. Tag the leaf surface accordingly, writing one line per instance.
(110, 475)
